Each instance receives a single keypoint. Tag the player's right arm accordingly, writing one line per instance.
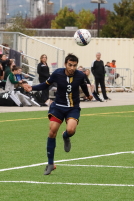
(41, 86)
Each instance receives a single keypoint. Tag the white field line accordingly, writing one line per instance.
(73, 184)
(66, 160)
(105, 166)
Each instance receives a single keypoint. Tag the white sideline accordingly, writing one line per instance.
(60, 183)
(107, 166)
(66, 160)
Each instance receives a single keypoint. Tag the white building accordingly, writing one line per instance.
(3, 12)
(40, 7)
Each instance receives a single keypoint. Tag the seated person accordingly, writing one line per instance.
(8, 69)
(112, 65)
(1, 71)
(19, 76)
(11, 80)
(91, 87)
(109, 73)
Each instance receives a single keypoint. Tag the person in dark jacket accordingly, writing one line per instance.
(4, 61)
(43, 71)
(98, 71)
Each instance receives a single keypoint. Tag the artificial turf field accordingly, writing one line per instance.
(102, 168)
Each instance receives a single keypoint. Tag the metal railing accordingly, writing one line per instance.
(116, 78)
(33, 47)
(31, 63)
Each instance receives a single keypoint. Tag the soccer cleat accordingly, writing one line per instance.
(67, 144)
(49, 168)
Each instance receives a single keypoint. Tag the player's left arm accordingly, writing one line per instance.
(84, 88)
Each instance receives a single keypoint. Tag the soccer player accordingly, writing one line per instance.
(65, 106)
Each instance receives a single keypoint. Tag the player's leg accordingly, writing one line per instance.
(72, 119)
(70, 131)
(51, 144)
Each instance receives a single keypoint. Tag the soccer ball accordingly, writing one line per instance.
(82, 37)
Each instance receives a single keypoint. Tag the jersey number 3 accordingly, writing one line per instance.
(69, 88)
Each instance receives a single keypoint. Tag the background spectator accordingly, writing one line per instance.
(43, 71)
(6, 50)
(8, 69)
(19, 75)
(112, 65)
(5, 62)
(80, 68)
(11, 80)
(1, 71)
(98, 71)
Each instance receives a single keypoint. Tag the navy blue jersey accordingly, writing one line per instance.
(67, 94)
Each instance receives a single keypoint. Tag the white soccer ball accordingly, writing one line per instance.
(82, 37)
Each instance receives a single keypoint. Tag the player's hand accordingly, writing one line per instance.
(27, 87)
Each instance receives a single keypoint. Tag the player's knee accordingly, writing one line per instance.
(71, 131)
(52, 134)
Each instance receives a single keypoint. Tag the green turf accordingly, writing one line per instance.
(100, 131)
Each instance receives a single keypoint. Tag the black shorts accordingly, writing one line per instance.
(62, 113)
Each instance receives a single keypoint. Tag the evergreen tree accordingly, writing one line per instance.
(120, 23)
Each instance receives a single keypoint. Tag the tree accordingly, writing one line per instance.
(65, 17)
(42, 21)
(120, 23)
(103, 17)
(20, 25)
(84, 19)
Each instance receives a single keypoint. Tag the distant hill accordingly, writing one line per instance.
(23, 6)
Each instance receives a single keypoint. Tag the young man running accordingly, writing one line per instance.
(65, 106)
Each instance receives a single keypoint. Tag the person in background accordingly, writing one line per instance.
(6, 50)
(109, 73)
(91, 86)
(44, 74)
(98, 71)
(19, 75)
(1, 71)
(1, 50)
(11, 80)
(8, 69)
(5, 62)
(112, 65)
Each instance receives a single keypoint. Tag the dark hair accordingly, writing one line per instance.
(71, 57)
(24, 82)
(14, 68)
(1, 56)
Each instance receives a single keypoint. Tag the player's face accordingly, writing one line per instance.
(71, 67)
